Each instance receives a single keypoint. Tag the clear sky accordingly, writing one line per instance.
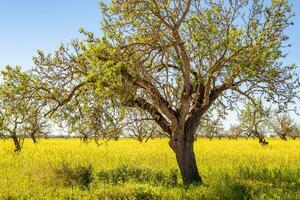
(29, 25)
(26, 26)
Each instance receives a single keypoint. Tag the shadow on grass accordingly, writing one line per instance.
(245, 182)
(125, 173)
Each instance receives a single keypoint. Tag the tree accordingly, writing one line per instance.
(254, 119)
(35, 125)
(140, 126)
(85, 115)
(175, 61)
(297, 132)
(211, 127)
(284, 126)
(235, 131)
(19, 109)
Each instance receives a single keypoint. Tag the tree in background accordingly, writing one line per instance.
(89, 117)
(174, 60)
(284, 126)
(21, 108)
(142, 127)
(211, 127)
(235, 131)
(254, 120)
(298, 131)
(35, 125)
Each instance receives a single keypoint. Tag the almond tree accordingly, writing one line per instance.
(211, 127)
(284, 126)
(175, 60)
(253, 120)
(140, 126)
(19, 109)
(35, 124)
(89, 117)
(236, 131)
(297, 132)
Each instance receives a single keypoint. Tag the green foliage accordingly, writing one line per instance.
(153, 52)
(20, 106)
(254, 119)
(125, 173)
(80, 175)
(278, 176)
(211, 127)
(284, 126)
(146, 193)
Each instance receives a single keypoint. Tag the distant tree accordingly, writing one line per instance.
(298, 131)
(86, 116)
(1, 135)
(211, 127)
(139, 128)
(284, 126)
(175, 60)
(19, 108)
(235, 131)
(254, 119)
(35, 125)
(10, 127)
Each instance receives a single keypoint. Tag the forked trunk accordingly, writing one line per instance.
(185, 156)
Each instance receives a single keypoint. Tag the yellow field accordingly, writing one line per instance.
(231, 169)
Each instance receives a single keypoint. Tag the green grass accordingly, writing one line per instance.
(127, 169)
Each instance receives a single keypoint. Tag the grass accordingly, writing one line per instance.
(127, 169)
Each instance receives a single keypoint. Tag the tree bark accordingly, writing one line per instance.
(283, 137)
(33, 138)
(182, 145)
(16, 142)
(261, 138)
(263, 141)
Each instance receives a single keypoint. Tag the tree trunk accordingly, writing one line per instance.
(33, 138)
(293, 137)
(263, 141)
(183, 147)
(261, 138)
(16, 142)
(283, 137)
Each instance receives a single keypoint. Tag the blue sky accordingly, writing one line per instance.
(26, 26)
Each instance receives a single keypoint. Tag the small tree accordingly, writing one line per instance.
(35, 124)
(253, 119)
(211, 127)
(235, 131)
(19, 108)
(139, 125)
(297, 133)
(284, 126)
(87, 117)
